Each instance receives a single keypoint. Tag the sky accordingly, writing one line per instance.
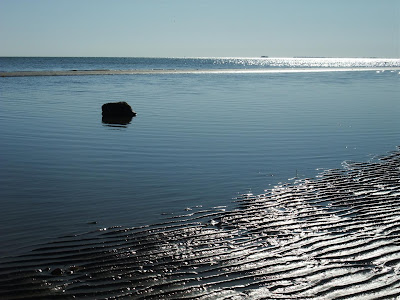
(201, 28)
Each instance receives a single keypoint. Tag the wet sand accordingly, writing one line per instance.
(332, 237)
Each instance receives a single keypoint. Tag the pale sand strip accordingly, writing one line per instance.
(189, 71)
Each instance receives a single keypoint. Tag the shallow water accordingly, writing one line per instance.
(335, 237)
(198, 139)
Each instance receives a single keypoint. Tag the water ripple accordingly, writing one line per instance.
(333, 237)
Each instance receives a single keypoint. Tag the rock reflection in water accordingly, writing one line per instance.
(116, 122)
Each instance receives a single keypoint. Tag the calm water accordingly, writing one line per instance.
(198, 139)
(141, 63)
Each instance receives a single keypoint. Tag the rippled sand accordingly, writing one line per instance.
(333, 237)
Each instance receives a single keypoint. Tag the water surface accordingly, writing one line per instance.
(198, 140)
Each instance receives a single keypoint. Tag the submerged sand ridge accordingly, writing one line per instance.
(190, 71)
(333, 237)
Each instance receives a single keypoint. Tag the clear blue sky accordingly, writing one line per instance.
(184, 28)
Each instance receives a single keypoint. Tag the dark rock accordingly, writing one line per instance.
(117, 110)
(118, 113)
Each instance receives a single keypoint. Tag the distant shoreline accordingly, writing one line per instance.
(191, 71)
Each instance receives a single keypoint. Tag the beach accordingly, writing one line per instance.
(332, 237)
(235, 179)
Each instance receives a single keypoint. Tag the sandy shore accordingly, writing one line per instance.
(334, 237)
(189, 71)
